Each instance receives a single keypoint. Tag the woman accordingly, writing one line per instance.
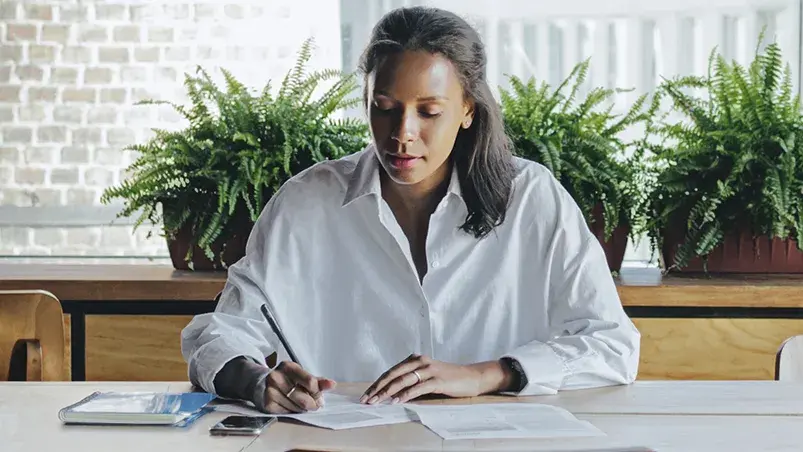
(433, 262)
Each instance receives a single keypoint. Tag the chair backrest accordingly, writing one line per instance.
(789, 360)
(32, 344)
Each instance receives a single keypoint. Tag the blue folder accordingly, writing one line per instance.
(137, 408)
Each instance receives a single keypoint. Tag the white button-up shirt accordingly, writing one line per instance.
(335, 270)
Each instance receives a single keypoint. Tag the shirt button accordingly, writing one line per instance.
(436, 264)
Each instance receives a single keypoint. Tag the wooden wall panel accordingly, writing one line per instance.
(135, 348)
(147, 348)
(67, 346)
(712, 349)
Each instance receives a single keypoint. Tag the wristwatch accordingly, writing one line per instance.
(519, 377)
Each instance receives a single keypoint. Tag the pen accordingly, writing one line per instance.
(278, 333)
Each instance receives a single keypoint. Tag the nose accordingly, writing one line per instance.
(407, 129)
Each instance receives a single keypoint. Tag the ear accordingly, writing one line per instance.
(468, 114)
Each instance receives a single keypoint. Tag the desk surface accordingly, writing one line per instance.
(29, 422)
(637, 287)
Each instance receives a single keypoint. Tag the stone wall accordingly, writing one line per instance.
(71, 71)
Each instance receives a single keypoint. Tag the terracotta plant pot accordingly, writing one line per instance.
(616, 245)
(231, 244)
(741, 253)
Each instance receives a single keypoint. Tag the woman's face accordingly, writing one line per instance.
(415, 108)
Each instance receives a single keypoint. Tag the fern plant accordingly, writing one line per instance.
(733, 162)
(581, 143)
(240, 146)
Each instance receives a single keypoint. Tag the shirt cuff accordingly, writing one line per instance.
(544, 369)
(210, 358)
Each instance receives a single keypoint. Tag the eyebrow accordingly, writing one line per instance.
(419, 99)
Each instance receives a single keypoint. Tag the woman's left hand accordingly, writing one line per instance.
(419, 375)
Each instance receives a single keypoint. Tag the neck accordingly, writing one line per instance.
(418, 200)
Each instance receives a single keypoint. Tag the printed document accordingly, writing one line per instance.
(340, 412)
(503, 420)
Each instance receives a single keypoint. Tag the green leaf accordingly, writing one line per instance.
(730, 162)
(239, 145)
(581, 142)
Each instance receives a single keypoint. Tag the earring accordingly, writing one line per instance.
(466, 123)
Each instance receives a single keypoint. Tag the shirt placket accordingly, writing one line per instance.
(425, 342)
(437, 241)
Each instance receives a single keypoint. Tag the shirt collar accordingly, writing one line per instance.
(454, 184)
(365, 179)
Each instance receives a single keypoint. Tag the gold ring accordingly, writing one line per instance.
(291, 391)
(417, 375)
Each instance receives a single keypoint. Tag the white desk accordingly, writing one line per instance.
(663, 433)
(29, 422)
(687, 397)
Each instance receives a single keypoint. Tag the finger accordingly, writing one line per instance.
(406, 366)
(400, 383)
(277, 397)
(301, 377)
(425, 387)
(303, 399)
(279, 385)
(324, 384)
(307, 393)
(275, 408)
(373, 388)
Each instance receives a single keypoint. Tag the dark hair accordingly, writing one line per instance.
(482, 153)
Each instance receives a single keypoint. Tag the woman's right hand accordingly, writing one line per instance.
(291, 389)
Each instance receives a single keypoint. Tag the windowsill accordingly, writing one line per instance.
(629, 268)
(88, 260)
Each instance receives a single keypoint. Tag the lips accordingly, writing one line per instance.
(402, 161)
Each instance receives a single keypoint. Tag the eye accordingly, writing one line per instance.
(430, 114)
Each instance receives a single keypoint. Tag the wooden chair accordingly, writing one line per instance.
(32, 343)
(789, 360)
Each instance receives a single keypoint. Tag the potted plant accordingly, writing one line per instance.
(582, 145)
(729, 174)
(207, 183)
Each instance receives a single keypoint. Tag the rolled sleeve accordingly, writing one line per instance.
(237, 327)
(217, 349)
(591, 341)
(545, 371)
(578, 361)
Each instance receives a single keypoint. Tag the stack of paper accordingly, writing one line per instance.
(504, 420)
(340, 412)
(508, 420)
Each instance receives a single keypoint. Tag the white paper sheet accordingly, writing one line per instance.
(503, 420)
(340, 412)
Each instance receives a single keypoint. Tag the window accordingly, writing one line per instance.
(70, 74)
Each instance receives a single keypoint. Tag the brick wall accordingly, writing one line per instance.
(70, 72)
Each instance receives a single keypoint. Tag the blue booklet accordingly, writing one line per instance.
(137, 408)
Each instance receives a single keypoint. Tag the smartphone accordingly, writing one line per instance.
(242, 425)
